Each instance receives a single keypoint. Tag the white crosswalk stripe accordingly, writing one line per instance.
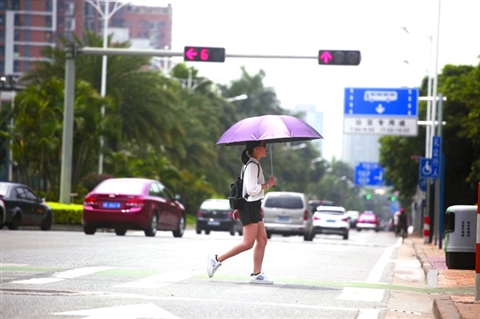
(68, 274)
(160, 280)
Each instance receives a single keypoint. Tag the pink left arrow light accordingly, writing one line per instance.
(191, 54)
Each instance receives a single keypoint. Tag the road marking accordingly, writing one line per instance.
(160, 280)
(59, 276)
(377, 270)
(122, 312)
(361, 294)
(368, 314)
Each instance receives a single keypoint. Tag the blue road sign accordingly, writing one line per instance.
(426, 168)
(436, 150)
(399, 102)
(369, 174)
(422, 183)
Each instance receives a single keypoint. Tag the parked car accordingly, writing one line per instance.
(331, 220)
(133, 203)
(353, 214)
(216, 214)
(3, 213)
(368, 220)
(23, 207)
(287, 213)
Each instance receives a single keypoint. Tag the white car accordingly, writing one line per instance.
(331, 220)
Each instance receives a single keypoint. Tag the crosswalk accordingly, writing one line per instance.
(154, 281)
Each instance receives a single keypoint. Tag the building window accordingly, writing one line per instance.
(48, 21)
(14, 5)
(70, 10)
(16, 66)
(26, 51)
(48, 5)
(3, 5)
(27, 35)
(48, 36)
(17, 35)
(2, 20)
(18, 20)
(70, 24)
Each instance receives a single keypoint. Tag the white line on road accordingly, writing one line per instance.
(59, 276)
(160, 280)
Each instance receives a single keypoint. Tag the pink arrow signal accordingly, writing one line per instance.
(191, 53)
(326, 57)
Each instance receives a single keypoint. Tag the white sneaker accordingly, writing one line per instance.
(260, 279)
(212, 265)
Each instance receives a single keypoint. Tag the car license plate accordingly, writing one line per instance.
(213, 223)
(283, 218)
(330, 220)
(111, 205)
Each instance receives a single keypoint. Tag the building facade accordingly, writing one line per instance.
(28, 26)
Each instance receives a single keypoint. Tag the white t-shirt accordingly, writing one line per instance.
(253, 180)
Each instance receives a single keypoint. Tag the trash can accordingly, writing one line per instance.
(460, 225)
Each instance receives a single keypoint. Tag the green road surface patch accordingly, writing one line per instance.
(340, 285)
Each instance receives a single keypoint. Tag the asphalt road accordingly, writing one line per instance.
(61, 274)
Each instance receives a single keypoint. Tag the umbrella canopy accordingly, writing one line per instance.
(269, 128)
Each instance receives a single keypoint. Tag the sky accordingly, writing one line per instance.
(397, 40)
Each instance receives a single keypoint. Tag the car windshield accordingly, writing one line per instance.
(215, 205)
(3, 189)
(120, 187)
(290, 202)
(330, 212)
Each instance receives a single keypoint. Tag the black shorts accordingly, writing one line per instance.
(250, 213)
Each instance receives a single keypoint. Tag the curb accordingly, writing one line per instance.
(444, 308)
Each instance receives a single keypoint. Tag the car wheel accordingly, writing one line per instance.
(47, 222)
(198, 230)
(358, 229)
(120, 231)
(152, 228)
(232, 230)
(240, 232)
(269, 235)
(345, 236)
(207, 231)
(180, 228)
(15, 223)
(89, 229)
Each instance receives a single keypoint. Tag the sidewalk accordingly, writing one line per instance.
(447, 304)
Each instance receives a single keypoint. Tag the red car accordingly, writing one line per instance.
(133, 203)
(368, 220)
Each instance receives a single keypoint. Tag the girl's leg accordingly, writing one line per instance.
(259, 250)
(250, 233)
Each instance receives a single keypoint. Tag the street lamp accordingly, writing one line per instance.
(237, 98)
(106, 15)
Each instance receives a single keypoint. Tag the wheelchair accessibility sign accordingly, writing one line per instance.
(426, 169)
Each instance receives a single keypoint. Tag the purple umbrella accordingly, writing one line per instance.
(269, 128)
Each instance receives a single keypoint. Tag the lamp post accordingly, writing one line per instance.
(106, 15)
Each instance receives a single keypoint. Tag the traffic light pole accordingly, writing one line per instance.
(72, 51)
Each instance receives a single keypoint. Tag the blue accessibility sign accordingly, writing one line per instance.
(426, 168)
(385, 102)
(369, 174)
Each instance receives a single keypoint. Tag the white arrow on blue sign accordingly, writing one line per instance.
(369, 174)
(383, 102)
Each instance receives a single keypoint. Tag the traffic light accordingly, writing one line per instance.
(393, 198)
(368, 197)
(339, 57)
(204, 54)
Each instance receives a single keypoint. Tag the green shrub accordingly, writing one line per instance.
(67, 214)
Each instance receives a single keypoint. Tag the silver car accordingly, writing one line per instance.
(287, 213)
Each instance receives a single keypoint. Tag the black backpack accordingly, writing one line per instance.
(236, 188)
